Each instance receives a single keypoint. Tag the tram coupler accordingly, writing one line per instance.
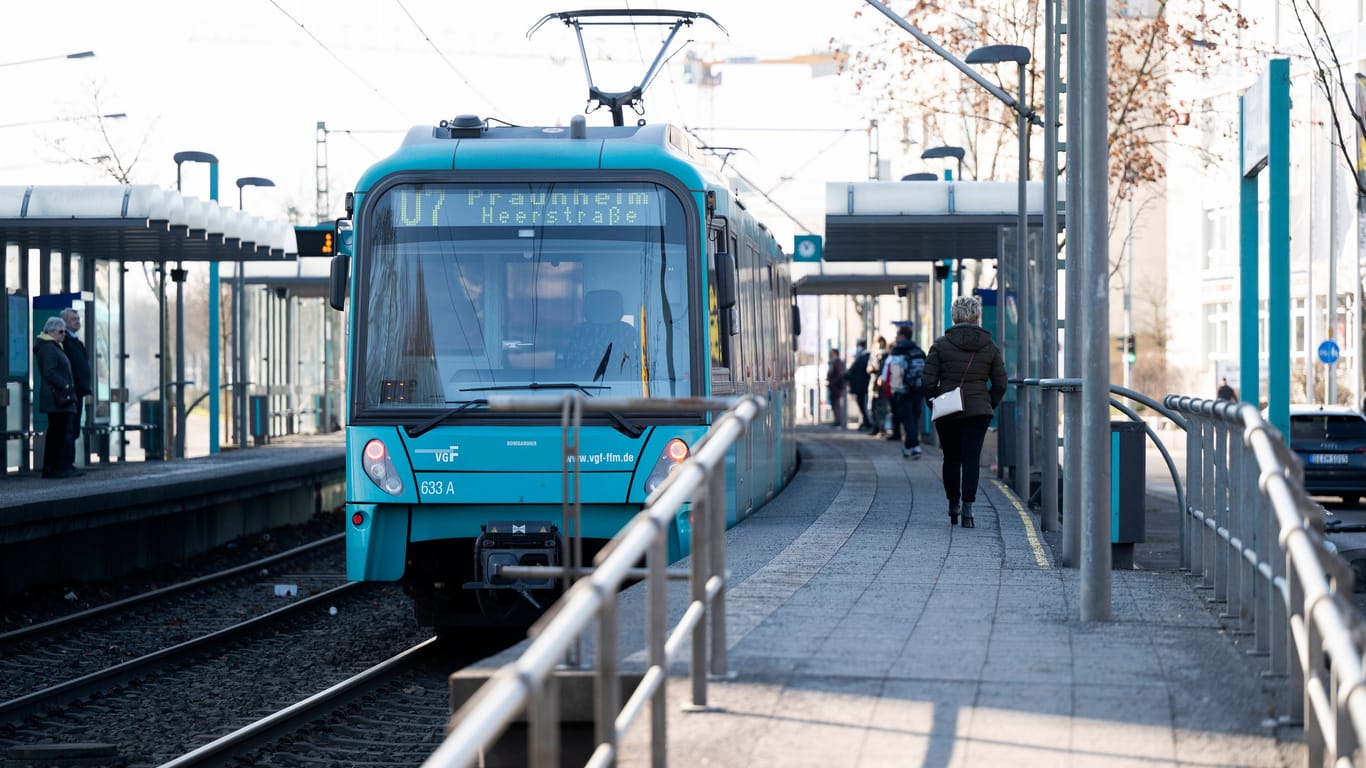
(514, 542)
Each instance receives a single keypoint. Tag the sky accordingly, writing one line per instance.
(249, 80)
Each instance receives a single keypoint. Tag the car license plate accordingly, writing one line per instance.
(1327, 458)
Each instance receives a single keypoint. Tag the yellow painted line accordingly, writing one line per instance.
(1028, 521)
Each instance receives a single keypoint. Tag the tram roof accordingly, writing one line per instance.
(138, 222)
(924, 220)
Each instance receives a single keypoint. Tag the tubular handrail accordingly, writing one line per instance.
(1073, 385)
(529, 684)
(1276, 571)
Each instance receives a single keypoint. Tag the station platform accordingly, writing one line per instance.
(865, 631)
(118, 517)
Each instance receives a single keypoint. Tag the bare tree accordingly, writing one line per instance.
(110, 159)
(1149, 44)
(1348, 129)
(1330, 80)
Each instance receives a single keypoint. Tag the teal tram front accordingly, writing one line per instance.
(611, 262)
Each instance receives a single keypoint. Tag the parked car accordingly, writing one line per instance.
(1331, 441)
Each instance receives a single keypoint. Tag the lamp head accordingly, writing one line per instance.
(996, 54)
(957, 153)
(190, 156)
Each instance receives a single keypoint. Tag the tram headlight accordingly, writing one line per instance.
(380, 468)
(674, 454)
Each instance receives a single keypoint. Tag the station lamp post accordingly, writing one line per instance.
(957, 153)
(25, 123)
(77, 55)
(1020, 56)
(212, 161)
(240, 318)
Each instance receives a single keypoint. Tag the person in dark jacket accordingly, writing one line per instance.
(909, 402)
(834, 387)
(57, 382)
(80, 372)
(1225, 391)
(856, 375)
(965, 356)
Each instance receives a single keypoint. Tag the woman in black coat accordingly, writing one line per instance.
(55, 370)
(965, 356)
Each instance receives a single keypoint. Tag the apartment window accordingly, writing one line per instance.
(1218, 329)
(1221, 252)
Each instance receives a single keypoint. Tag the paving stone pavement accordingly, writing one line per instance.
(863, 631)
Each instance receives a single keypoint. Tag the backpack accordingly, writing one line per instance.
(913, 373)
(898, 368)
(904, 373)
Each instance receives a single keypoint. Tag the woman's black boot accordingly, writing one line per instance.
(968, 522)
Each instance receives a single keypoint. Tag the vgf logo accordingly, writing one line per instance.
(446, 455)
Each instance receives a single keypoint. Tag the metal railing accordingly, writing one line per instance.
(1255, 537)
(530, 685)
(1070, 388)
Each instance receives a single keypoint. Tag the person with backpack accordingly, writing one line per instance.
(904, 374)
(856, 375)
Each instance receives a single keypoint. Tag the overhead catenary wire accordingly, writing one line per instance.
(304, 28)
(447, 61)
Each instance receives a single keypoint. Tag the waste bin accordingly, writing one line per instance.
(1128, 490)
(149, 415)
(259, 408)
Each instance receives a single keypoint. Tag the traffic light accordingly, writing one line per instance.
(1130, 349)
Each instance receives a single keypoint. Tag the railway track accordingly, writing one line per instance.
(156, 708)
(218, 670)
(85, 643)
(392, 714)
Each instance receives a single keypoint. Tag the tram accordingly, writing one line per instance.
(483, 260)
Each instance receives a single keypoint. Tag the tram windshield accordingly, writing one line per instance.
(474, 289)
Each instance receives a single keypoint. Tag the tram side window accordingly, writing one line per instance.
(765, 307)
(718, 320)
(749, 297)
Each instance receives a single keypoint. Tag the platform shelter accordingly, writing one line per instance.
(78, 247)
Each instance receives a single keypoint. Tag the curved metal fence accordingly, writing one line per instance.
(529, 683)
(1256, 538)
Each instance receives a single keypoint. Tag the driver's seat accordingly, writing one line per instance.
(603, 326)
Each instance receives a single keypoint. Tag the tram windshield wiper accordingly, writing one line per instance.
(419, 430)
(621, 423)
(535, 385)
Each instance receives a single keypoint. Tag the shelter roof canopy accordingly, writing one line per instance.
(924, 220)
(137, 222)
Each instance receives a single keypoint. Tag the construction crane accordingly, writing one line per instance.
(700, 72)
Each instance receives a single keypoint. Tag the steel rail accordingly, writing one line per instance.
(276, 724)
(17, 709)
(184, 586)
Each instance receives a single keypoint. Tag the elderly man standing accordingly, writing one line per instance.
(80, 372)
